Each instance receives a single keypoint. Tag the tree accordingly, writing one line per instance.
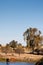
(13, 44)
(0, 45)
(20, 45)
(32, 36)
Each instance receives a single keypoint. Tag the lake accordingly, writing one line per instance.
(16, 63)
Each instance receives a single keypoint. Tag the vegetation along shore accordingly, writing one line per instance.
(32, 52)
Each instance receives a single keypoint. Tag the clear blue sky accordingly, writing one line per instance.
(18, 15)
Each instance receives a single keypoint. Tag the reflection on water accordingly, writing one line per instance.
(7, 63)
(16, 63)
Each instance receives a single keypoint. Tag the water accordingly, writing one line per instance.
(16, 63)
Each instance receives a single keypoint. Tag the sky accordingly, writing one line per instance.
(18, 15)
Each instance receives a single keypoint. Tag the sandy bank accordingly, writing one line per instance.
(22, 57)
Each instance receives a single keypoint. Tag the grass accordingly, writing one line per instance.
(2, 59)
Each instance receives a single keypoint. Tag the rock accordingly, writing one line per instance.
(40, 62)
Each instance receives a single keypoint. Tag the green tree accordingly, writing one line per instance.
(13, 44)
(32, 37)
(20, 45)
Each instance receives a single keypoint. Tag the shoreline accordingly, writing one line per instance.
(20, 58)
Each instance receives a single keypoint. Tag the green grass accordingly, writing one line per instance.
(2, 59)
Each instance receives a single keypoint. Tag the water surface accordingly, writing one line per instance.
(16, 63)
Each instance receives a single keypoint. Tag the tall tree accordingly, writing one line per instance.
(32, 37)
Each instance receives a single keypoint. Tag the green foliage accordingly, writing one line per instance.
(13, 44)
(32, 37)
(2, 59)
(0, 45)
